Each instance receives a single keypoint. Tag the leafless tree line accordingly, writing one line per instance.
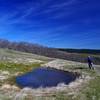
(42, 50)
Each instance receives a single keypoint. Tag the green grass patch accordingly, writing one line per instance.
(15, 67)
(91, 91)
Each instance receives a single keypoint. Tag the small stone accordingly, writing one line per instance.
(6, 86)
(15, 88)
(5, 73)
(3, 78)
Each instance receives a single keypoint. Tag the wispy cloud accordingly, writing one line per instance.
(50, 21)
(64, 4)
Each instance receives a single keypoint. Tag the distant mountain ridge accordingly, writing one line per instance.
(89, 51)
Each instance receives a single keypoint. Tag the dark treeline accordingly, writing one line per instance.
(45, 51)
(88, 51)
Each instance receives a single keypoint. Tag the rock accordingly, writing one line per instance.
(18, 73)
(15, 88)
(6, 86)
(5, 73)
(55, 64)
(2, 78)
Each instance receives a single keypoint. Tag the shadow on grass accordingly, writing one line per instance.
(80, 68)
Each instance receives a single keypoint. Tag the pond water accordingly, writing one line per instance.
(45, 77)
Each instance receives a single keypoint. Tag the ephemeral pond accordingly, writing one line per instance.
(45, 77)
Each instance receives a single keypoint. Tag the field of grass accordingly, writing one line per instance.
(86, 88)
(92, 91)
(88, 91)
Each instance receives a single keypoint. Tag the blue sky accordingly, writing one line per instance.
(53, 23)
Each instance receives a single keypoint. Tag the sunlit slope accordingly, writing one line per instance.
(21, 57)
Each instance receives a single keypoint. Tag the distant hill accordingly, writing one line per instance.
(87, 51)
(48, 52)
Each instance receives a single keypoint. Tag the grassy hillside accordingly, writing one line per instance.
(7, 55)
(73, 55)
(14, 63)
